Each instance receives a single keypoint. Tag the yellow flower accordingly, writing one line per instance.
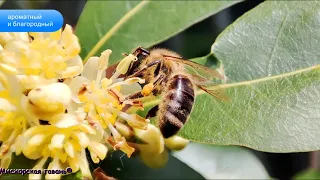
(101, 98)
(64, 140)
(48, 55)
(14, 117)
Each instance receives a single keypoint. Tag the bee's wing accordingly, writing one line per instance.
(198, 69)
(215, 91)
(203, 77)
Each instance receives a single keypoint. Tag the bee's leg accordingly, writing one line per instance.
(138, 95)
(136, 74)
(133, 96)
(152, 112)
(156, 83)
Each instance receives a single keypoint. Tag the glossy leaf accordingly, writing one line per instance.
(271, 58)
(120, 166)
(308, 174)
(222, 162)
(125, 25)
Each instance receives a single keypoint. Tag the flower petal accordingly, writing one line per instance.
(56, 35)
(70, 150)
(36, 139)
(57, 141)
(129, 81)
(54, 165)
(30, 82)
(73, 64)
(94, 157)
(82, 139)
(20, 36)
(32, 152)
(5, 37)
(6, 160)
(85, 128)
(13, 84)
(76, 85)
(99, 149)
(84, 166)
(64, 120)
(90, 68)
(130, 89)
(135, 120)
(6, 106)
(17, 46)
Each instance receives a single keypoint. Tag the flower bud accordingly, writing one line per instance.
(152, 136)
(176, 143)
(155, 160)
(50, 98)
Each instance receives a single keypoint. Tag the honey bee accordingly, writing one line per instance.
(175, 79)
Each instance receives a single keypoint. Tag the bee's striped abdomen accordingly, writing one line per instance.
(177, 105)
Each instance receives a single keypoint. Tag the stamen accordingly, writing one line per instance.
(114, 94)
(104, 59)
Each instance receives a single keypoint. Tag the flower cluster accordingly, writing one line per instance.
(52, 107)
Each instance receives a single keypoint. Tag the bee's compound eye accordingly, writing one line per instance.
(141, 56)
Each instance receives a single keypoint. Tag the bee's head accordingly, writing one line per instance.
(141, 54)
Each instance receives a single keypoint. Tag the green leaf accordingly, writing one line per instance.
(271, 59)
(120, 166)
(277, 106)
(124, 25)
(221, 162)
(274, 38)
(308, 174)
